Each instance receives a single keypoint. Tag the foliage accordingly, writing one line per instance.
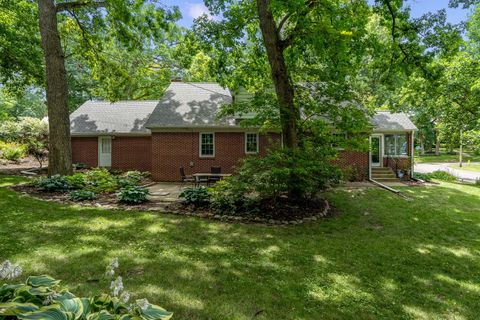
(76, 181)
(436, 175)
(42, 297)
(257, 178)
(80, 166)
(12, 151)
(82, 195)
(472, 141)
(100, 180)
(55, 183)
(133, 194)
(198, 197)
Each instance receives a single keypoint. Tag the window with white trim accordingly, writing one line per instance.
(251, 142)
(207, 144)
(396, 145)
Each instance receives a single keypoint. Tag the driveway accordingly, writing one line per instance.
(460, 174)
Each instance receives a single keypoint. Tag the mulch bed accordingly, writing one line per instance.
(283, 212)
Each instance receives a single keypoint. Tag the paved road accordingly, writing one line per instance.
(460, 174)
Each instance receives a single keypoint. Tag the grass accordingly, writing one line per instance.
(381, 257)
(467, 167)
(449, 158)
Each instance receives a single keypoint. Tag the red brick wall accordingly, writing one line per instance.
(171, 150)
(132, 153)
(353, 162)
(85, 150)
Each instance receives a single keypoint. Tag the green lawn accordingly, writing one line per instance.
(381, 257)
(445, 158)
(467, 167)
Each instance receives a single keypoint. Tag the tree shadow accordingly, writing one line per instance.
(383, 257)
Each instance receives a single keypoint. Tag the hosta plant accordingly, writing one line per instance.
(55, 183)
(42, 297)
(133, 194)
(82, 195)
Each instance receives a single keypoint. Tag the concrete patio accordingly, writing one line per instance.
(166, 191)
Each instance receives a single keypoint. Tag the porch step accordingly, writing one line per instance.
(384, 174)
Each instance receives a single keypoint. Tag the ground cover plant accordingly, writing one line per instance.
(386, 258)
(42, 297)
(88, 185)
(436, 175)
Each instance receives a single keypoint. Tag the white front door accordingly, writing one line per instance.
(104, 151)
(376, 151)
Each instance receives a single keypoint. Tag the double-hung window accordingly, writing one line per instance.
(207, 144)
(251, 142)
(396, 145)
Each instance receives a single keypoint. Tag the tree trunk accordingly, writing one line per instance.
(437, 143)
(422, 146)
(280, 76)
(60, 153)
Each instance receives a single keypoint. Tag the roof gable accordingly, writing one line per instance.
(123, 117)
(386, 121)
(187, 104)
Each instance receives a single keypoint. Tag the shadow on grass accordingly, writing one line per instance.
(382, 257)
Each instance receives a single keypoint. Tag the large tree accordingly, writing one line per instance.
(105, 29)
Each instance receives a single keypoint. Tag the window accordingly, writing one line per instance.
(207, 145)
(251, 142)
(106, 145)
(396, 144)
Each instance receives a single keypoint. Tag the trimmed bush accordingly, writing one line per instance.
(55, 183)
(198, 197)
(82, 195)
(133, 194)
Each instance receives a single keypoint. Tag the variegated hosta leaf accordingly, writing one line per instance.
(46, 313)
(8, 289)
(39, 291)
(15, 308)
(45, 281)
(153, 312)
(73, 305)
(102, 315)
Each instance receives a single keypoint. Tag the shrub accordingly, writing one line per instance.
(443, 176)
(82, 195)
(230, 196)
(133, 194)
(437, 175)
(13, 152)
(198, 197)
(100, 180)
(76, 181)
(42, 297)
(55, 183)
(297, 175)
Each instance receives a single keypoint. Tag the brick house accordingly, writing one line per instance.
(182, 130)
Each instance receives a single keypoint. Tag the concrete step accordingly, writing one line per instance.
(386, 179)
(384, 175)
(381, 169)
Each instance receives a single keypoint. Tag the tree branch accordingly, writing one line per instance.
(67, 6)
(285, 43)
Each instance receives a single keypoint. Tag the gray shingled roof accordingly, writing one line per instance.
(123, 117)
(183, 105)
(187, 104)
(385, 121)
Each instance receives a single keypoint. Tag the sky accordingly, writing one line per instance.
(192, 9)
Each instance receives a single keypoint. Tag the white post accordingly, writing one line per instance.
(461, 149)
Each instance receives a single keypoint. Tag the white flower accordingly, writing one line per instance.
(116, 286)
(9, 271)
(49, 299)
(114, 263)
(143, 304)
(125, 297)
